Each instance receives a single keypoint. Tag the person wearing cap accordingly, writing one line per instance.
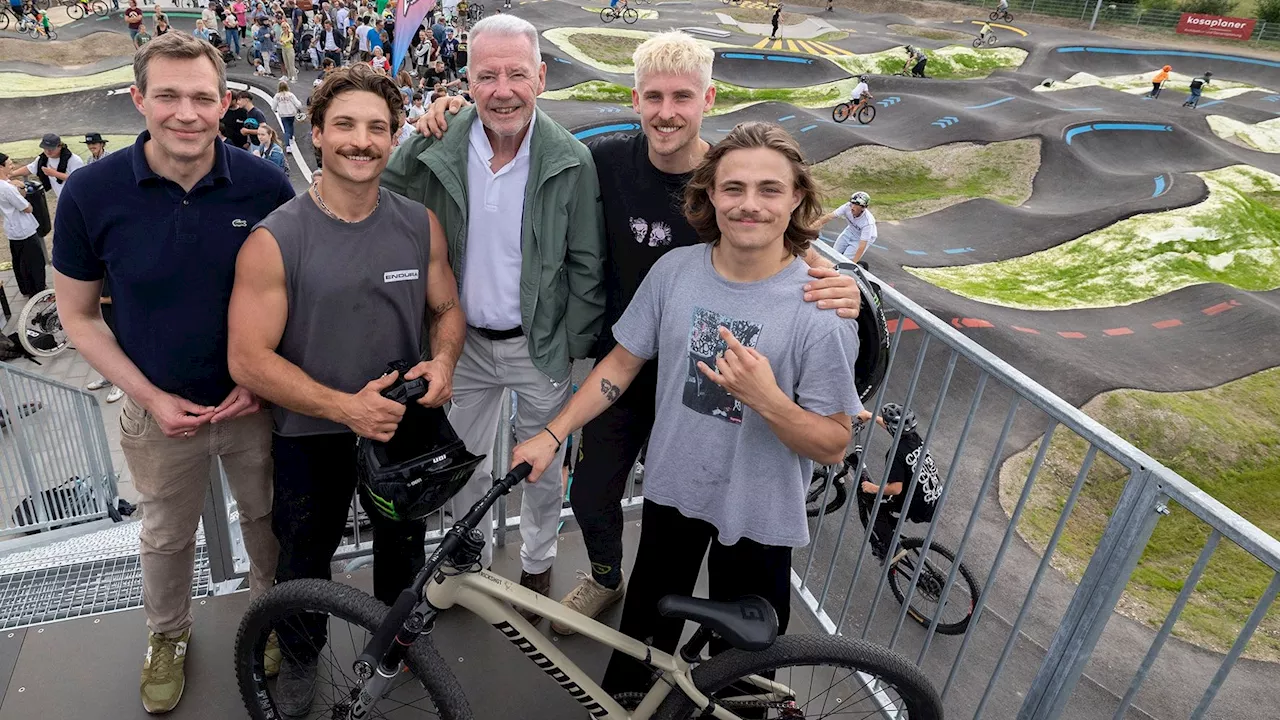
(97, 147)
(26, 246)
(53, 166)
(449, 53)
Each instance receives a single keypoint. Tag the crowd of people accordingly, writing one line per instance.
(490, 249)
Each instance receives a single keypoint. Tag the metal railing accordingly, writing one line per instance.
(1033, 630)
(55, 463)
(1115, 13)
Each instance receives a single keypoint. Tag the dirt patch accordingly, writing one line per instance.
(68, 53)
(928, 33)
(909, 184)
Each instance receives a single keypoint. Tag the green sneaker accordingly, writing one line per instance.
(162, 670)
(271, 656)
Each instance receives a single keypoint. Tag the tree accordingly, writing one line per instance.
(1208, 7)
(1269, 10)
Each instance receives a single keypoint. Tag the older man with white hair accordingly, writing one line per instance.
(519, 202)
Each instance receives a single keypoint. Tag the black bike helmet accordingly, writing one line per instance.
(873, 335)
(422, 466)
(893, 414)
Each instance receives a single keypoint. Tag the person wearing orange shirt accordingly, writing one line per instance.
(1158, 80)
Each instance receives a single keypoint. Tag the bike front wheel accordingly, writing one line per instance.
(100, 8)
(39, 327)
(820, 500)
(866, 114)
(296, 610)
(630, 16)
(927, 599)
(810, 676)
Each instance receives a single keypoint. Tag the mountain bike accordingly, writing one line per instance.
(628, 15)
(989, 41)
(866, 113)
(828, 492)
(35, 30)
(80, 8)
(39, 327)
(1001, 15)
(383, 661)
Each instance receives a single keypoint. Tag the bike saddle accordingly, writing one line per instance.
(749, 623)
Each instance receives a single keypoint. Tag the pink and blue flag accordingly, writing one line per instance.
(409, 15)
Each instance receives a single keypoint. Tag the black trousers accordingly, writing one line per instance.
(314, 478)
(668, 561)
(885, 522)
(28, 264)
(610, 445)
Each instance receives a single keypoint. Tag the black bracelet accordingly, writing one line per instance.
(553, 437)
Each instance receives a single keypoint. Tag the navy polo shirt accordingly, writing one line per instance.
(169, 256)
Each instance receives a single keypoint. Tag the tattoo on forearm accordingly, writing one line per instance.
(610, 391)
(444, 307)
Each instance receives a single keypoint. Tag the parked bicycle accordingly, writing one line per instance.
(39, 327)
(829, 491)
(866, 113)
(378, 661)
(989, 41)
(77, 9)
(629, 15)
(1001, 15)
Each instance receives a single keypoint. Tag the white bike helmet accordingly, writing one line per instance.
(860, 198)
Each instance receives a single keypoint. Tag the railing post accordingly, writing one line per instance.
(502, 461)
(217, 528)
(1096, 8)
(1096, 596)
(11, 405)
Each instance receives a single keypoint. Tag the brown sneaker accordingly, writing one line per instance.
(541, 584)
(590, 598)
(162, 670)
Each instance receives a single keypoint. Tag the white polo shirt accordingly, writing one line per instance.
(490, 291)
(18, 224)
(74, 163)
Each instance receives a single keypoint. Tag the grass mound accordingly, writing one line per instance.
(928, 33)
(761, 15)
(1140, 84)
(68, 53)
(1233, 238)
(908, 184)
(16, 85)
(954, 62)
(1225, 440)
(606, 49)
(1263, 136)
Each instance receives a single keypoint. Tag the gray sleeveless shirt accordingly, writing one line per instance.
(357, 293)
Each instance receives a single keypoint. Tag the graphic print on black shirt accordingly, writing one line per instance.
(929, 486)
(643, 218)
(701, 395)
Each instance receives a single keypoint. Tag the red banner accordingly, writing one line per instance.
(1230, 28)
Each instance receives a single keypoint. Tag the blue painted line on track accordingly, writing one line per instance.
(996, 102)
(958, 251)
(785, 118)
(1150, 127)
(807, 128)
(1174, 53)
(1082, 109)
(562, 60)
(774, 58)
(1211, 103)
(601, 130)
(1161, 188)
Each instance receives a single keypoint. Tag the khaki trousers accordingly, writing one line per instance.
(172, 476)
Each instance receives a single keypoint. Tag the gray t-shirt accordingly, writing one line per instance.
(711, 457)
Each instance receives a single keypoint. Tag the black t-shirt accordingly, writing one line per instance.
(253, 120)
(431, 78)
(643, 219)
(904, 465)
(231, 122)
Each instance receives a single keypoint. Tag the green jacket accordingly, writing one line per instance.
(562, 241)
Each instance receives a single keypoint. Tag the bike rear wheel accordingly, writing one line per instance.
(39, 327)
(866, 114)
(840, 113)
(607, 14)
(75, 11)
(813, 676)
(427, 690)
(4, 20)
(953, 618)
(100, 8)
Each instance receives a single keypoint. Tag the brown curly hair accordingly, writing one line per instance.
(360, 78)
(701, 214)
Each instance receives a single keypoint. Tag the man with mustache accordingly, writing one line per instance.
(518, 199)
(329, 289)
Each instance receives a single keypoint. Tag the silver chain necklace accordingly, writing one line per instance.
(315, 191)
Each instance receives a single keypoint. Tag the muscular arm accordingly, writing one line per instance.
(448, 326)
(259, 310)
(608, 380)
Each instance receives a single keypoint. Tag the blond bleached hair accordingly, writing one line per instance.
(673, 53)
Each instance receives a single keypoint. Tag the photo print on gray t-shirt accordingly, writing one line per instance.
(701, 394)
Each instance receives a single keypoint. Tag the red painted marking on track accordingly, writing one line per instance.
(1165, 324)
(1117, 331)
(1220, 307)
(975, 323)
(1073, 335)
(1025, 330)
(907, 324)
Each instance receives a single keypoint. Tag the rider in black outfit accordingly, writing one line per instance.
(901, 468)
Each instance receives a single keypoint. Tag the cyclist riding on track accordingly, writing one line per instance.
(984, 31)
(901, 468)
(1003, 7)
(860, 96)
(861, 232)
(916, 61)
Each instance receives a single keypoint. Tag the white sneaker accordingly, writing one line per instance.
(115, 394)
(98, 384)
(589, 598)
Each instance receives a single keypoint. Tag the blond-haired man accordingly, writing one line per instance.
(642, 182)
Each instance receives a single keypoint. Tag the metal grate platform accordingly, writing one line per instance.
(88, 575)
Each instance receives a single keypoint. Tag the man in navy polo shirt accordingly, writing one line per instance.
(181, 206)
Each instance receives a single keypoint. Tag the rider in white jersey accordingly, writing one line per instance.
(860, 96)
(861, 232)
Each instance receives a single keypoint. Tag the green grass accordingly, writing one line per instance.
(592, 91)
(952, 62)
(24, 151)
(1232, 238)
(909, 184)
(608, 49)
(928, 33)
(832, 36)
(17, 85)
(1225, 440)
(761, 15)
